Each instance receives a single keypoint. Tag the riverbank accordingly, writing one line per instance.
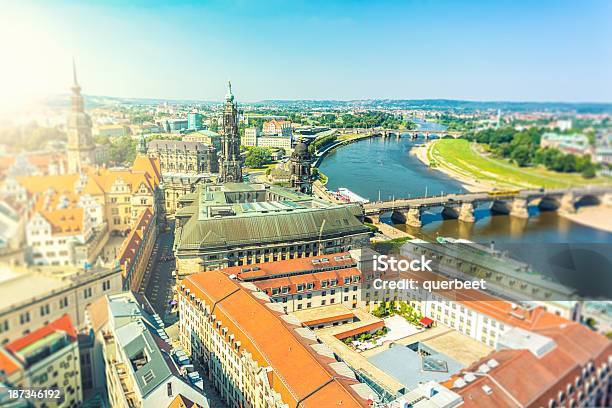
(471, 185)
(476, 168)
(599, 217)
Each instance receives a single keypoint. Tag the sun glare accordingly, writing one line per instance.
(33, 63)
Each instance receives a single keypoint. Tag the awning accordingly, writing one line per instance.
(426, 321)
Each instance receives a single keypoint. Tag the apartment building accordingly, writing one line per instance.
(558, 364)
(136, 250)
(53, 236)
(46, 359)
(121, 193)
(305, 283)
(278, 127)
(279, 140)
(140, 365)
(25, 307)
(254, 353)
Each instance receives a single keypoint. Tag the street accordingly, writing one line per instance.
(158, 280)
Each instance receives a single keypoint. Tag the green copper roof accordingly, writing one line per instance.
(269, 227)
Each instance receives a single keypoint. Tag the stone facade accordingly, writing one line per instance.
(181, 157)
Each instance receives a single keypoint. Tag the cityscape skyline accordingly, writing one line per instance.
(353, 53)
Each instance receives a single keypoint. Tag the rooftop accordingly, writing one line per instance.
(289, 354)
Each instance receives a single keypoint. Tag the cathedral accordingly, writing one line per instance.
(230, 163)
(80, 148)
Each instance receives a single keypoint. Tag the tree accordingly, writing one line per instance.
(588, 172)
(521, 155)
(258, 157)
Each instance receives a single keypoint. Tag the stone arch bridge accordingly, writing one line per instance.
(514, 203)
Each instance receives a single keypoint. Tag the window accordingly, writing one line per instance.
(106, 285)
(44, 310)
(63, 302)
(87, 293)
(24, 318)
(4, 326)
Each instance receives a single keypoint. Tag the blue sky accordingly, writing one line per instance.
(475, 50)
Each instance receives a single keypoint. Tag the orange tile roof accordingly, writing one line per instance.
(523, 378)
(150, 165)
(287, 353)
(328, 319)
(39, 184)
(62, 324)
(180, 401)
(358, 330)
(8, 365)
(65, 221)
(131, 243)
(270, 269)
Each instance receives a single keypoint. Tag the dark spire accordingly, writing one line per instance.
(142, 147)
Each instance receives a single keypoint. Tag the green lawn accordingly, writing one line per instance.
(351, 136)
(462, 157)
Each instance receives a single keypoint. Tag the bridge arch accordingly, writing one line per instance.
(587, 200)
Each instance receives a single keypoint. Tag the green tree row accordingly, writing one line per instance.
(523, 148)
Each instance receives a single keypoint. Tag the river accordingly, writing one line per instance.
(384, 168)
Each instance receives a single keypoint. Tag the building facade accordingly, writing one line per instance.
(231, 224)
(46, 359)
(136, 250)
(256, 355)
(180, 157)
(194, 121)
(141, 368)
(305, 283)
(25, 307)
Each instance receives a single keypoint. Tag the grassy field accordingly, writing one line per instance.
(461, 158)
(351, 136)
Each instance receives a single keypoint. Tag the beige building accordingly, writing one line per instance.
(141, 368)
(136, 250)
(122, 193)
(181, 157)
(176, 186)
(25, 307)
(305, 283)
(46, 359)
(254, 353)
(253, 137)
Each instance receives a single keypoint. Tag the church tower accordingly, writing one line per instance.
(301, 178)
(230, 163)
(80, 148)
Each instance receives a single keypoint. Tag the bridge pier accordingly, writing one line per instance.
(466, 213)
(413, 217)
(500, 207)
(519, 208)
(567, 204)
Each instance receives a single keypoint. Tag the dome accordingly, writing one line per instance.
(301, 148)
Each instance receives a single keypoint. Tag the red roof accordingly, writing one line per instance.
(7, 364)
(62, 324)
(426, 321)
